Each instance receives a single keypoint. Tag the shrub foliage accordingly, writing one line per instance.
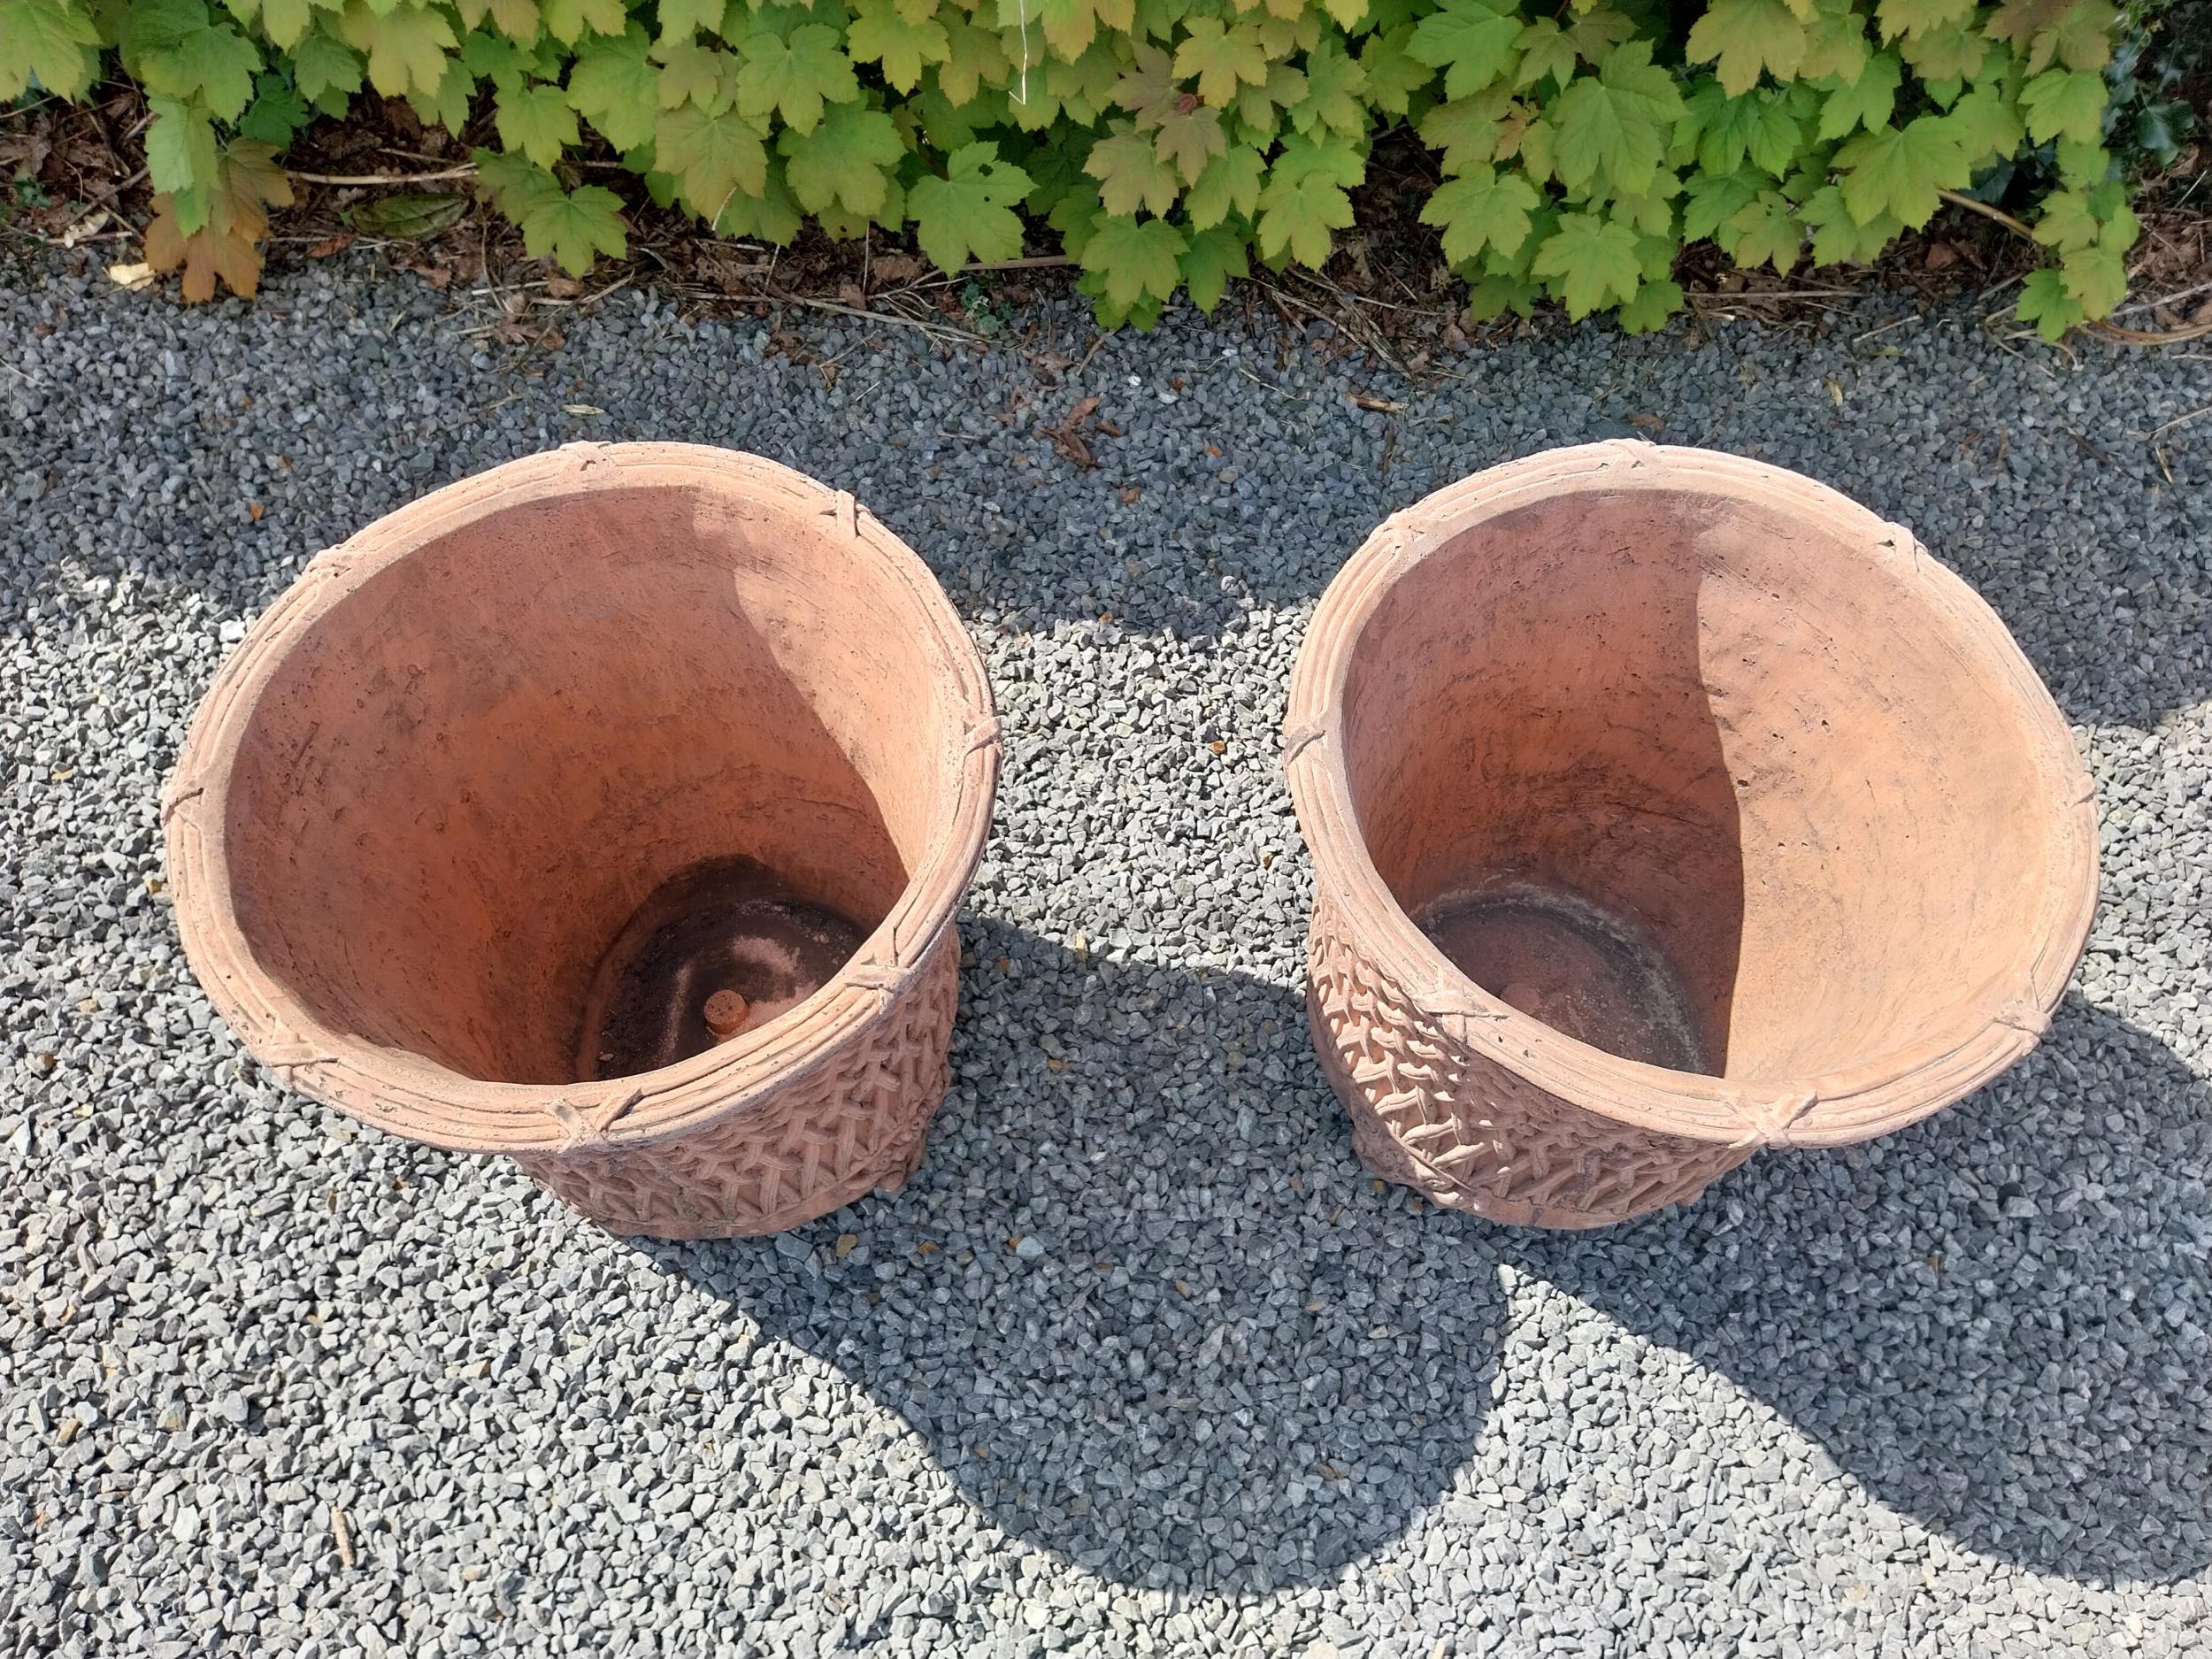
(1167, 142)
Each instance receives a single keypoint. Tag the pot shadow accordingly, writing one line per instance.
(2019, 1381)
(1236, 1364)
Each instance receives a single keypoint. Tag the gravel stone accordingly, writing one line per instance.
(272, 1383)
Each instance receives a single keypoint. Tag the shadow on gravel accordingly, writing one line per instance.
(2028, 1386)
(1279, 1371)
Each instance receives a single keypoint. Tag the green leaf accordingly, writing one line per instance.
(1304, 200)
(1835, 45)
(1223, 58)
(1230, 184)
(1613, 127)
(1647, 310)
(973, 59)
(410, 216)
(277, 114)
(1132, 174)
(213, 61)
(1467, 130)
(968, 213)
(1482, 207)
(616, 88)
(712, 157)
(446, 105)
(794, 78)
(180, 152)
(1545, 51)
(1900, 172)
(513, 184)
(1914, 19)
(1867, 102)
(680, 19)
(1954, 53)
(1192, 139)
(1743, 38)
(2066, 221)
(2081, 165)
(774, 215)
(1393, 74)
(844, 160)
(50, 41)
(2096, 276)
(881, 34)
(1591, 261)
(537, 121)
(1135, 260)
(1471, 43)
(575, 227)
(286, 22)
(2045, 302)
(695, 74)
(1763, 126)
(325, 69)
(568, 21)
(1714, 199)
(1986, 124)
(406, 46)
(2064, 103)
(1840, 239)
(1765, 231)
(1333, 85)
(1207, 264)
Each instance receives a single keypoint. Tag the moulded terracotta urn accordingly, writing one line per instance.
(608, 811)
(1664, 806)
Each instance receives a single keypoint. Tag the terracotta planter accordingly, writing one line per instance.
(1664, 806)
(446, 814)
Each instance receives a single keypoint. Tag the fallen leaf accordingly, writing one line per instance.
(847, 1243)
(254, 510)
(1652, 423)
(562, 287)
(1377, 406)
(896, 267)
(133, 277)
(330, 245)
(583, 409)
(1835, 389)
(1131, 495)
(411, 216)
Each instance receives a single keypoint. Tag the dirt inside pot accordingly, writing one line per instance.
(1559, 958)
(714, 953)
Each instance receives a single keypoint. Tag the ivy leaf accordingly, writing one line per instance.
(50, 41)
(1471, 43)
(1393, 74)
(1647, 310)
(712, 157)
(1899, 173)
(1714, 199)
(1134, 261)
(568, 21)
(2045, 302)
(1230, 184)
(1304, 200)
(181, 153)
(1545, 51)
(2064, 103)
(212, 61)
(1866, 102)
(1742, 38)
(881, 34)
(1131, 173)
(406, 46)
(1613, 127)
(614, 89)
(325, 69)
(1592, 260)
(1207, 264)
(1765, 231)
(1481, 208)
(794, 78)
(968, 213)
(1223, 58)
(537, 121)
(844, 160)
(575, 226)
(1191, 139)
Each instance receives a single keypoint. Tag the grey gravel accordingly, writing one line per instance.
(271, 1383)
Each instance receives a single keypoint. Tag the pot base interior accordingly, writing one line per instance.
(1560, 959)
(725, 925)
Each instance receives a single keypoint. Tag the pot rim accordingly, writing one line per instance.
(413, 1095)
(1828, 1109)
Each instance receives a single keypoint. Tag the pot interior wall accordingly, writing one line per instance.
(1757, 749)
(458, 787)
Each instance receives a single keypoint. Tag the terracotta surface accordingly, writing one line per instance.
(443, 773)
(1687, 759)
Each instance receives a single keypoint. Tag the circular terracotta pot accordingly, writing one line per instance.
(1664, 806)
(426, 792)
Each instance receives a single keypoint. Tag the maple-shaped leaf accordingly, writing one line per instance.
(1899, 173)
(2045, 302)
(2097, 276)
(771, 216)
(1646, 310)
(1148, 88)
(536, 120)
(1334, 84)
(1835, 47)
(1467, 130)
(2064, 103)
(1763, 125)
(1221, 57)
(1393, 73)
(1613, 126)
(1545, 51)
(180, 152)
(277, 113)
(2075, 33)
(974, 58)
(1651, 213)
(2081, 165)
(575, 227)
(1744, 39)
(1304, 200)
(518, 21)
(510, 183)
(1474, 43)
(968, 213)
(1956, 53)
(570, 21)
(711, 157)
(1136, 259)
(1715, 198)
(2066, 220)
(1594, 33)
(1913, 18)
(794, 78)
(286, 22)
(1986, 123)
(1077, 216)
(615, 87)
(695, 74)
(1132, 174)
(1258, 107)
(327, 71)
(1481, 208)
(406, 46)
(881, 34)
(206, 60)
(843, 161)
(1590, 261)
(1867, 102)
(680, 19)
(1840, 239)
(1207, 264)
(51, 42)
(1191, 138)
(1349, 14)
(232, 217)
(1764, 232)
(1230, 184)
